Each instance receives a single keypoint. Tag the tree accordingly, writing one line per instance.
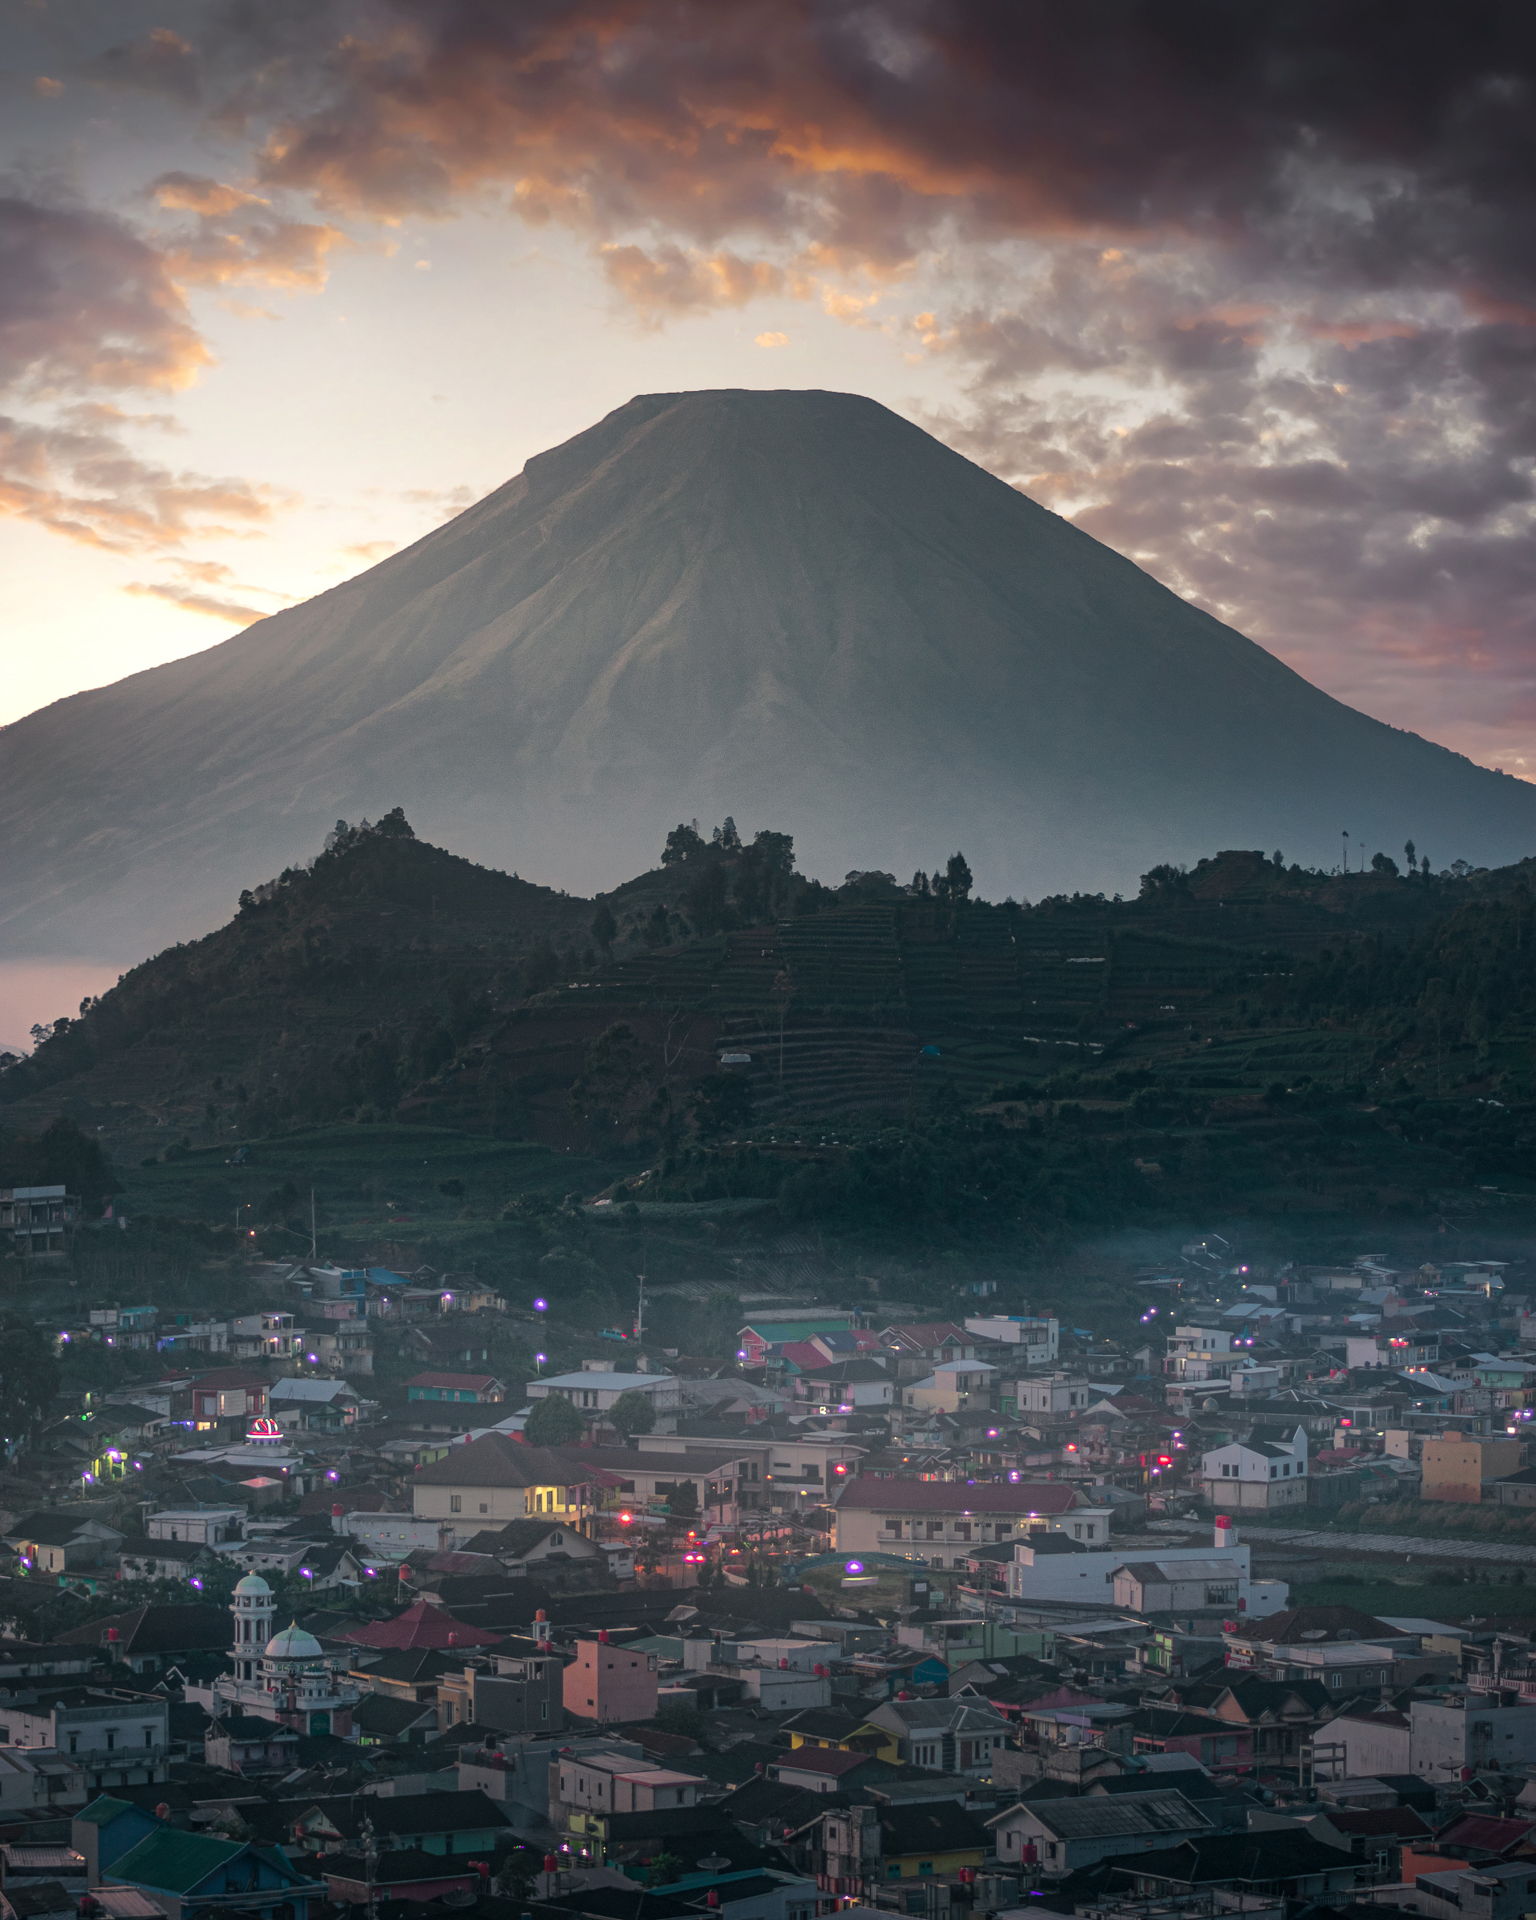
(958, 877)
(612, 1090)
(1384, 863)
(61, 1155)
(541, 969)
(721, 1103)
(29, 1378)
(553, 1422)
(705, 901)
(684, 842)
(604, 926)
(632, 1413)
(726, 838)
(682, 1498)
(1409, 854)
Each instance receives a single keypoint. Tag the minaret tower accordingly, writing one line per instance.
(252, 1608)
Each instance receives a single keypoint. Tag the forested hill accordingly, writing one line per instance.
(389, 975)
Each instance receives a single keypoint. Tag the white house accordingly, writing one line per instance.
(1053, 1568)
(1052, 1393)
(1168, 1586)
(1038, 1341)
(1257, 1474)
(594, 1390)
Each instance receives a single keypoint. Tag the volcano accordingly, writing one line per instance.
(792, 607)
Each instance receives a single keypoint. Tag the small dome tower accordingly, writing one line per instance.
(252, 1607)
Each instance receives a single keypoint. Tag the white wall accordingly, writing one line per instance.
(1086, 1576)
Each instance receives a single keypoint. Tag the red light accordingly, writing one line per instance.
(839, 1468)
(1346, 1423)
(626, 1519)
(1164, 1460)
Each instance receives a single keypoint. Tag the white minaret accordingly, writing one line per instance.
(252, 1608)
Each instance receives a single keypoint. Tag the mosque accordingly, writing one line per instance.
(284, 1677)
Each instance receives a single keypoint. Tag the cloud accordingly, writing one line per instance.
(235, 240)
(161, 63)
(673, 281)
(89, 487)
(370, 551)
(86, 302)
(771, 340)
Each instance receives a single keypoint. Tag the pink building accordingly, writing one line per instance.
(608, 1681)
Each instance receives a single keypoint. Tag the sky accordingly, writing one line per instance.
(1247, 292)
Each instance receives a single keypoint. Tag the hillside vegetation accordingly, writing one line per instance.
(1246, 1035)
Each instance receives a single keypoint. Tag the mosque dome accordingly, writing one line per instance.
(293, 1643)
(253, 1585)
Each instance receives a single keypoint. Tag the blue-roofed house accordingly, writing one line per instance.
(107, 1829)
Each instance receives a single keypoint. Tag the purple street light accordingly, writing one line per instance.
(541, 1305)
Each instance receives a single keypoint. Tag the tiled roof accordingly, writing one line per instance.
(423, 1625)
(1482, 1833)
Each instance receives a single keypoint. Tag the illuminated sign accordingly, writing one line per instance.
(264, 1430)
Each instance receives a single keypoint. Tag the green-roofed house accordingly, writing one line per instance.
(191, 1875)
(106, 1830)
(754, 1339)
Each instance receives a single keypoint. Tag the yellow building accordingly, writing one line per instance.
(878, 1742)
(929, 1841)
(1457, 1464)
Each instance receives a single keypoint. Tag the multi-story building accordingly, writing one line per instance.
(286, 1676)
(1038, 1341)
(594, 1390)
(1257, 1475)
(518, 1689)
(940, 1521)
(107, 1735)
(1457, 1465)
(610, 1681)
(39, 1220)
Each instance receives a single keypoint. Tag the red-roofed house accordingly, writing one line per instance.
(1481, 1837)
(481, 1389)
(934, 1520)
(423, 1625)
(932, 1342)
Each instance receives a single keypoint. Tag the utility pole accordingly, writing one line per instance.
(311, 1223)
(640, 1311)
(370, 1862)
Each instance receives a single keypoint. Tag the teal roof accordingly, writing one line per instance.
(174, 1861)
(776, 1332)
(102, 1812)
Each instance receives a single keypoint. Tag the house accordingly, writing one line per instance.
(957, 1386)
(1257, 1475)
(1184, 1586)
(523, 1544)
(1066, 1834)
(402, 1873)
(1038, 1340)
(39, 1220)
(1222, 1746)
(105, 1830)
(520, 1688)
(319, 1406)
(381, 1721)
(921, 1348)
(228, 1396)
(241, 1743)
(609, 1681)
(1276, 1861)
(945, 1736)
(475, 1389)
(759, 1338)
(191, 1874)
(616, 1783)
(495, 1479)
(113, 1737)
(1515, 1489)
(929, 1520)
(930, 1840)
(211, 1526)
(1049, 1394)
(456, 1825)
(1457, 1465)
(151, 1638)
(57, 1543)
(182, 1560)
(848, 1386)
(1492, 1892)
(266, 1336)
(593, 1391)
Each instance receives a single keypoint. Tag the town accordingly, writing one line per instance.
(930, 1617)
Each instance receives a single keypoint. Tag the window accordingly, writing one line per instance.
(111, 1739)
(74, 1743)
(1273, 1470)
(893, 1526)
(455, 1503)
(1287, 1474)
(484, 1508)
(149, 1736)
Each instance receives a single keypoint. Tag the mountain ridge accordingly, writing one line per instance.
(793, 605)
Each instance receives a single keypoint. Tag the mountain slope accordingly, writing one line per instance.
(781, 605)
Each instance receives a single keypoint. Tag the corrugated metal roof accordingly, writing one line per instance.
(1105, 1816)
